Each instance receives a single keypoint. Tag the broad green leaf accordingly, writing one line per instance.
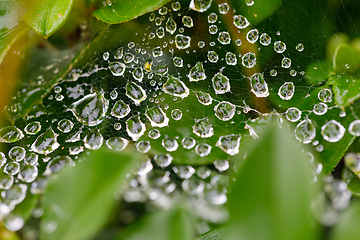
(272, 194)
(348, 224)
(352, 180)
(318, 72)
(79, 201)
(46, 17)
(346, 59)
(259, 11)
(122, 11)
(346, 89)
(174, 224)
(216, 234)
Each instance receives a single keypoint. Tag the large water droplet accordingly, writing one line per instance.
(11, 168)
(32, 128)
(188, 21)
(229, 144)
(163, 160)
(286, 62)
(224, 38)
(204, 98)
(157, 117)
(91, 109)
(200, 5)
(31, 159)
(176, 114)
(143, 146)
(286, 91)
(14, 195)
(160, 32)
(45, 143)
(224, 8)
(10, 134)
(182, 41)
(120, 109)
(135, 128)
(332, 131)
(212, 18)
(258, 85)
(154, 134)
(293, 114)
(28, 173)
(320, 108)
(252, 36)
(265, 39)
(93, 140)
(203, 149)
(65, 125)
(17, 153)
(175, 87)
(325, 95)
(57, 164)
(203, 128)
(184, 172)
(170, 144)
(135, 93)
(279, 47)
(224, 111)
(188, 142)
(248, 60)
(221, 83)
(170, 25)
(128, 58)
(178, 62)
(213, 56)
(138, 74)
(119, 53)
(197, 73)
(117, 143)
(6, 181)
(117, 68)
(305, 131)
(240, 21)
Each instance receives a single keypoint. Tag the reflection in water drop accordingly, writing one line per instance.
(135, 128)
(188, 142)
(286, 91)
(93, 140)
(203, 149)
(224, 110)
(32, 128)
(354, 128)
(175, 87)
(221, 83)
(45, 143)
(305, 131)
(10, 134)
(157, 117)
(332, 131)
(203, 128)
(117, 143)
(204, 98)
(135, 93)
(258, 85)
(229, 144)
(200, 5)
(293, 114)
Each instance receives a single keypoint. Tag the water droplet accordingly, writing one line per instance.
(74, 137)
(176, 6)
(354, 128)
(258, 85)
(204, 98)
(201, 44)
(188, 142)
(203, 128)
(31, 159)
(143, 146)
(213, 56)
(332, 131)
(46, 142)
(17, 153)
(32, 128)
(249, 60)
(154, 134)
(240, 21)
(273, 73)
(193, 186)
(163, 11)
(135, 93)
(135, 128)
(224, 8)
(117, 68)
(57, 164)
(65, 125)
(120, 52)
(162, 70)
(213, 29)
(320, 108)
(203, 172)
(175, 87)
(212, 18)
(293, 72)
(93, 140)
(158, 21)
(13, 222)
(300, 47)
(6, 181)
(163, 160)
(249, 2)
(28, 173)
(176, 114)
(128, 57)
(286, 91)
(293, 114)
(182, 41)
(203, 149)
(187, 21)
(106, 56)
(178, 62)
(221, 83)
(91, 109)
(224, 111)
(2, 159)
(160, 32)
(305, 131)
(117, 126)
(265, 39)
(197, 73)
(170, 25)
(229, 144)
(11, 168)
(286, 62)
(138, 74)
(325, 95)
(184, 172)
(224, 38)
(170, 144)
(221, 165)
(230, 58)
(120, 109)
(200, 5)
(117, 143)
(10, 134)
(252, 36)
(279, 47)
(238, 42)
(157, 117)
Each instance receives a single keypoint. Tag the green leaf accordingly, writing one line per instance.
(272, 194)
(259, 11)
(174, 224)
(348, 225)
(25, 208)
(346, 59)
(318, 72)
(216, 234)
(80, 200)
(122, 11)
(346, 89)
(46, 17)
(352, 180)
